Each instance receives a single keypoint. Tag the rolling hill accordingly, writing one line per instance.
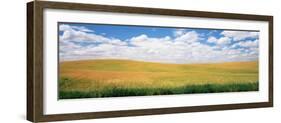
(113, 78)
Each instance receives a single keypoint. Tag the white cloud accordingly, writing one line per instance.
(179, 32)
(70, 34)
(223, 40)
(212, 39)
(145, 41)
(188, 37)
(78, 36)
(220, 41)
(240, 35)
(248, 43)
(184, 47)
(64, 27)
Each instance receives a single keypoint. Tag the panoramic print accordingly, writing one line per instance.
(103, 60)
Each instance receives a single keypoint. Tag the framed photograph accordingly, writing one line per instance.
(96, 61)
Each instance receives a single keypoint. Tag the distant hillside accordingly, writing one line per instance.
(129, 65)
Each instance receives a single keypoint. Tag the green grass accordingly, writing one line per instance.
(118, 78)
(190, 89)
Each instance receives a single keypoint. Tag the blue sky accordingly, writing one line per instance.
(156, 44)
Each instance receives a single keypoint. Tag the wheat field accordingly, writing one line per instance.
(117, 78)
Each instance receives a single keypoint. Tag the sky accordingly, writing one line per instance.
(79, 41)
